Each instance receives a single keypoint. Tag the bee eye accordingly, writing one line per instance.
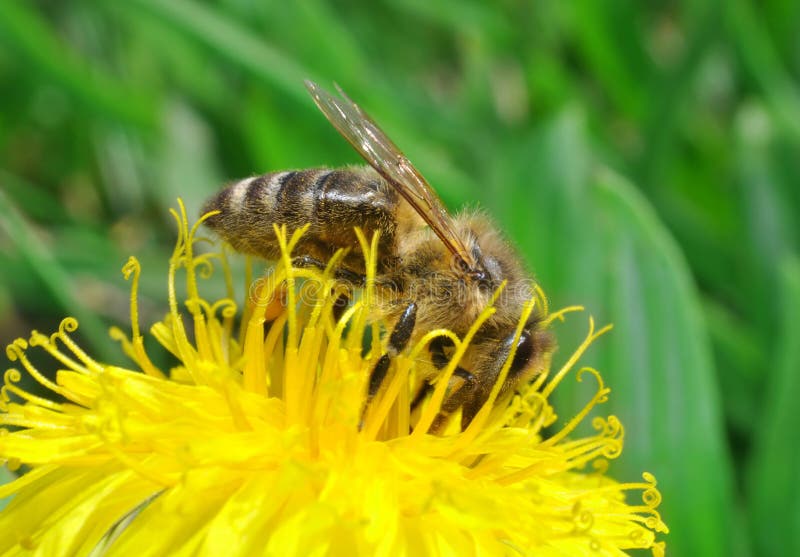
(523, 354)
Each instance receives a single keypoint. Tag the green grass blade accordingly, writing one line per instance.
(774, 479)
(613, 53)
(595, 241)
(25, 31)
(658, 363)
(763, 63)
(56, 279)
(233, 42)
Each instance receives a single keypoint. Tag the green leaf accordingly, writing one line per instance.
(658, 363)
(613, 53)
(767, 226)
(55, 278)
(234, 42)
(186, 168)
(763, 64)
(28, 34)
(774, 473)
(595, 241)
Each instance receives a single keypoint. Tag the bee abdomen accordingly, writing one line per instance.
(331, 201)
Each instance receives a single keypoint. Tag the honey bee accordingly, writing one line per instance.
(434, 270)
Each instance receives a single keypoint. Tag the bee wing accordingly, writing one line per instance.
(383, 155)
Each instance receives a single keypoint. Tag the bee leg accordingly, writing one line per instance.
(473, 404)
(398, 340)
(470, 409)
(465, 392)
(437, 349)
(470, 380)
(345, 275)
(440, 359)
(423, 391)
(465, 398)
(339, 306)
(340, 273)
(426, 388)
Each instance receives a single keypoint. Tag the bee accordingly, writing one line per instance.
(434, 270)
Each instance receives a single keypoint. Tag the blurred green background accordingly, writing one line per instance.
(644, 156)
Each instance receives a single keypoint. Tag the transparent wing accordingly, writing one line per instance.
(383, 155)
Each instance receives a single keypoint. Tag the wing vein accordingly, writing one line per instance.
(383, 155)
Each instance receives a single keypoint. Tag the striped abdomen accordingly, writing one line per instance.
(331, 201)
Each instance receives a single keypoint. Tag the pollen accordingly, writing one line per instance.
(261, 441)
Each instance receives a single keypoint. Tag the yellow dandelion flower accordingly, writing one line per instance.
(258, 441)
